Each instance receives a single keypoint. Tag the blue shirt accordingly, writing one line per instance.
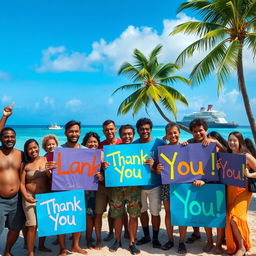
(155, 178)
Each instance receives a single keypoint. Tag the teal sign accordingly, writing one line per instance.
(198, 206)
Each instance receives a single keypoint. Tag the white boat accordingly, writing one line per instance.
(54, 127)
(214, 118)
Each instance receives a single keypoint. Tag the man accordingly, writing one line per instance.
(103, 193)
(150, 195)
(122, 195)
(11, 212)
(109, 130)
(198, 128)
(72, 132)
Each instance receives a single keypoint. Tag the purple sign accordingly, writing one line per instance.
(232, 169)
(184, 164)
(76, 169)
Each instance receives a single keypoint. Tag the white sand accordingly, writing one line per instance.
(193, 249)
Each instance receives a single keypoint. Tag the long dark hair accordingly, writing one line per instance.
(218, 137)
(27, 158)
(250, 146)
(242, 146)
(89, 135)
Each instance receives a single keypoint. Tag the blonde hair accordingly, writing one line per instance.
(49, 137)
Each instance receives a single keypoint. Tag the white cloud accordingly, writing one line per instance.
(6, 99)
(48, 101)
(253, 101)
(229, 97)
(58, 59)
(5, 76)
(74, 105)
(110, 101)
(112, 54)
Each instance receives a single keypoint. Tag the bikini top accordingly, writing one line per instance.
(32, 175)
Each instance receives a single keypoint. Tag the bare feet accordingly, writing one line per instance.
(98, 245)
(218, 250)
(78, 250)
(8, 254)
(90, 244)
(44, 249)
(207, 248)
(63, 252)
(240, 252)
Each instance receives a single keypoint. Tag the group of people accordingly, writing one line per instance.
(25, 174)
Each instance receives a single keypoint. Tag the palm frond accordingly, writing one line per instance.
(202, 44)
(175, 94)
(165, 70)
(199, 28)
(140, 59)
(173, 79)
(141, 101)
(228, 63)
(128, 103)
(209, 63)
(153, 93)
(128, 86)
(250, 41)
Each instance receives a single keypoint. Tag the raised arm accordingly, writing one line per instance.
(7, 111)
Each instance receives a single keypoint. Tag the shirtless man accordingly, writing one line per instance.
(10, 201)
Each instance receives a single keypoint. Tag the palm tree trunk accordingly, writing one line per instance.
(183, 127)
(242, 87)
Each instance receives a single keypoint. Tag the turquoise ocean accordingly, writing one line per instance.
(38, 132)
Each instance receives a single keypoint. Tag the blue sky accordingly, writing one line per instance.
(59, 60)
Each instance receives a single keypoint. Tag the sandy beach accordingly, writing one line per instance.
(193, 249)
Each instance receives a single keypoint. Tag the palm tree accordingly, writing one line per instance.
(150, 84)
(227, 27)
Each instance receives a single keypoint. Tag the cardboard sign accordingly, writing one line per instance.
(60, 213)
(232, 169)
(76, 169)
(127, 166)
(188, 163)
(198, 206)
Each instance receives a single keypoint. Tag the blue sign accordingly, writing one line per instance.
(60, 213)
(232, 169)
(127, 166)
(184, 164)
(198, 206)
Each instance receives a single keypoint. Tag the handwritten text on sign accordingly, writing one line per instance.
(60, 212)
(76, 168)
(127, 166)
(232, 169)
(198, 206)
(188, 163)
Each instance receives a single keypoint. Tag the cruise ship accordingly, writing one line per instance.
(214, 118)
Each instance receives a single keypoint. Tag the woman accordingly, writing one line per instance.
(91, 140)
(49, 143)
(34, 180)
(238, 201)
(172, 135)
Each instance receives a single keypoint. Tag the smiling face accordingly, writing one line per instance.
(173, 135)
(92, 143)
(8, 139)
(144, 132)
(109, 131)
(73, 134)
(50, 145)
(233, 143)
(127, 136)
(199, 133)
(32, 150)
